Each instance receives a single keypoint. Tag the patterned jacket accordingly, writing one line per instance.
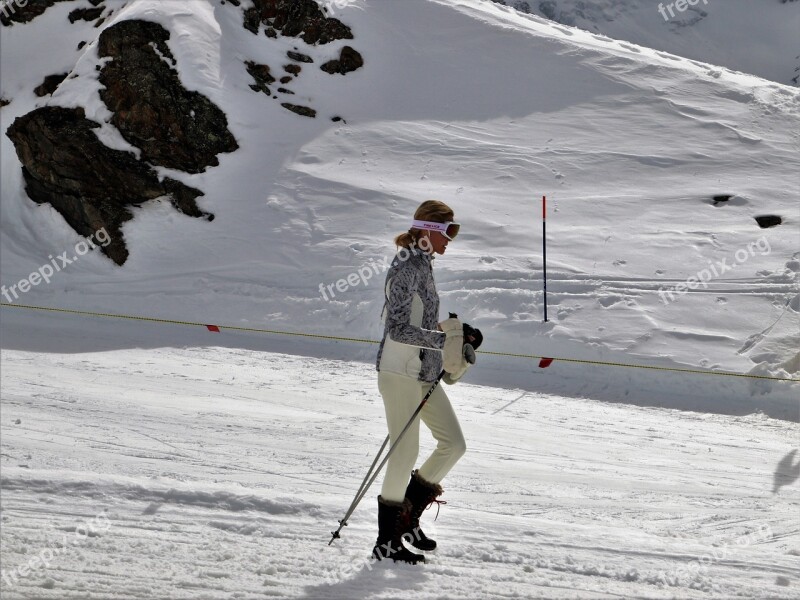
(411, 344)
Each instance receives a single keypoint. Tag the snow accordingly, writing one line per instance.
(209, 472)
(214, 465)
(600, 127)
(710, 31)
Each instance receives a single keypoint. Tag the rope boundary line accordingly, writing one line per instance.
(217, 328)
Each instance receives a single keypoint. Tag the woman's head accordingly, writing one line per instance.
(430, 211)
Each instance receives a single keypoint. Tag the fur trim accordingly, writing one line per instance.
(405, 504)
(435, 488)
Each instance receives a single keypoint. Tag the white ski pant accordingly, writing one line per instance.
(401, 397)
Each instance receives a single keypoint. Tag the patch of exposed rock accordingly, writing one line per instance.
(261, 75)
(296, 18)
(92, 186)
(303, 111)
(173, 127)
(85, 14)
(50, 84)
(349, 60)
(13, 12)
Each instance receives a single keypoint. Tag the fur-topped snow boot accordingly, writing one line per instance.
(421, 494)
(393, 518)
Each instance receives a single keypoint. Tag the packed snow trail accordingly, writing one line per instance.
(206, 472)
(482, 107)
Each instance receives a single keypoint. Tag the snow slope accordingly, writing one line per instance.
(753, 37)
(488, 110)
(210, 473)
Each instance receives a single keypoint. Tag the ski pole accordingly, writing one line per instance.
(363, 491)
(365, 485)
(371, 467)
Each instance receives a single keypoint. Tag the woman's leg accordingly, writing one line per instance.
(401, 397)
(440, 418)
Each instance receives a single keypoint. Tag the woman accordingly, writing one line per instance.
(414, 349)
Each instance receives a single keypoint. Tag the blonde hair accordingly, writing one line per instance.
(430, 210)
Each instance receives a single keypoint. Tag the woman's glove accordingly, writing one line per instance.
(467, 359)
(472, 336)
(453, 344)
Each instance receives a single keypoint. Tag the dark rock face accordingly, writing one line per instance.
(85, 14)
(261, 75)
(304, 19)
(296, 18)
(293, 69)
(349, 60)
(93, 186)
(173, 127)
(50, 84)
(14, 13)
(303, 111)
(90, 185)
(766, 221)
(299, 57)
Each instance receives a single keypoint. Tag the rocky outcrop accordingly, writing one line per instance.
(65, 164)
(293, 69)
(14, 12)
(303, 111)
(261, 75)
(50, 84)
(296, 18)
(766, 221)
(173, 127)
(92, 186)
(85, 14)
(304, 19)
(299, 57)
(349, 60)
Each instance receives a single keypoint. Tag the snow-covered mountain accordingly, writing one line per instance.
(485, 108)
(758, 37)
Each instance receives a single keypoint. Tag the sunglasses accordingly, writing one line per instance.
(449, 230)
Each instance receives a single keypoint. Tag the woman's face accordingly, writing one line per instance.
(433, 242)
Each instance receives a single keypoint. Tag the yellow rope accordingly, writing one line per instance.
(363, 341)
(631, 366)
(176, 322)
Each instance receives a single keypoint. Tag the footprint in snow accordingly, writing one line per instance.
(609, 301)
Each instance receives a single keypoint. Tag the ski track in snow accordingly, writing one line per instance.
(219, 473)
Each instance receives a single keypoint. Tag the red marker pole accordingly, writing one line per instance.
(544, 252)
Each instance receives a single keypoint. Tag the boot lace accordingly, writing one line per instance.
(438, 504)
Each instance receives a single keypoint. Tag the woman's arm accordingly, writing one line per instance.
(398, 314)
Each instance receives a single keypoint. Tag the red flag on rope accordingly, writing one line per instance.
(545, 362)
(213, 328)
